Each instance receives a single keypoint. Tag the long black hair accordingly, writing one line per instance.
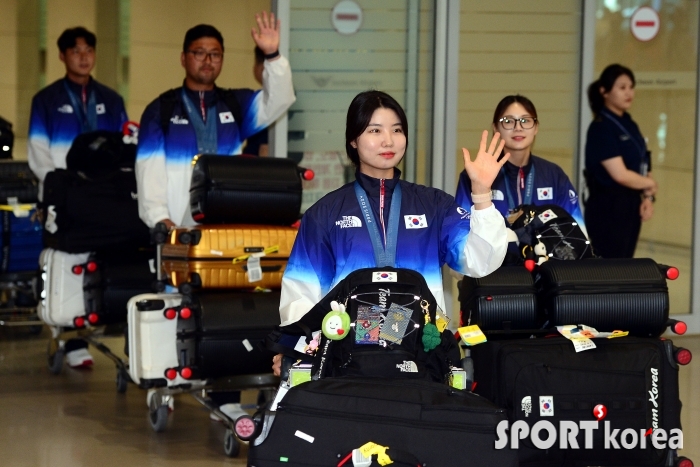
(360, 113)
(606, 81)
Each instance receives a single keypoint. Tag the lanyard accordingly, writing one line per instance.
(205, 131)
(383, 255)
(529, 185)
(642, 148)
(87, 115)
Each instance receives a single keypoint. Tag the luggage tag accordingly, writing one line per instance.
(299, 374)
(395, 324)
(254, 272)
(458, 378)
(19, 210)
(267, 251)
(367, 325)
(471, 335)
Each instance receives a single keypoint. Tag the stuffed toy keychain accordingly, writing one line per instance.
(336, 324)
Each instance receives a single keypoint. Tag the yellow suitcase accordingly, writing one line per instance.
(217, 256)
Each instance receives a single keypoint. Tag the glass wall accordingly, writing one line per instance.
(338, 49)
(664, 62)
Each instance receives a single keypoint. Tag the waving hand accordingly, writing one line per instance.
(482, 171)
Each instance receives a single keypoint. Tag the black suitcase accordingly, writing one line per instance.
(607, 294)
(537, 380)
(89, 214)
(423, 423)
(225, 333)
(17, 181)
(502, 301)
(245, 190)
(111, 279)
(7, 139)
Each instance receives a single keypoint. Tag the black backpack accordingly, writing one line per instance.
(389, 335)
(100, 153)
(549, 232)
(169, 98)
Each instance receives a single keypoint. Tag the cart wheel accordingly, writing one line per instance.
(231, 445)
(158, 418)
(122, 381)
(56, 362)
(245, 428)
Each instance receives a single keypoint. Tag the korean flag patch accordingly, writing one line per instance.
(100, 109)
(414, 221)
(226, 117)
(384, 276)
(545, 193)
(547, 216)
(546, 406)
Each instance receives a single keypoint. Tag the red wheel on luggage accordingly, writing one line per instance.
(672, 273)
(679, 327)
(684, 462)
(185, 313)
(683, 356)
(244, 427)
(91, 266)
(77, 269)
(93, 318)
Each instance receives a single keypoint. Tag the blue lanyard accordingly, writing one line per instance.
(642, 148)
(529, 185)
(88, 118)
(383, 256)
(206, 133)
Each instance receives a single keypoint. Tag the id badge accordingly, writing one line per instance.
(395, 324)
(367, 325)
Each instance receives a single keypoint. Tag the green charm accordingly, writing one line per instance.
(431, 337)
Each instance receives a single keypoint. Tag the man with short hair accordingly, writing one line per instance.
(201, 118)
(72, 105)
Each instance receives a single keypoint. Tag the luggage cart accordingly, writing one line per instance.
(56, 351)
(18, 298)
(160, 400)
(161, 397)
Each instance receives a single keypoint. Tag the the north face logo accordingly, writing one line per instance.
(349, 221)
(177, 120)
(526, 405)
(407, 367)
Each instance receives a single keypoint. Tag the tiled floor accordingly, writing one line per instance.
(77, 419)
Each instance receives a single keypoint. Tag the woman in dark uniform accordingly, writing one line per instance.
(618, 167)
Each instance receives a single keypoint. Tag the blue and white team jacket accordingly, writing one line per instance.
(551, 186)
(54, 124)
(164, 163)
(333, 241)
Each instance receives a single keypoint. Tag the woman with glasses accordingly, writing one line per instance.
(525, 178)
(618, 167)
(381, 220)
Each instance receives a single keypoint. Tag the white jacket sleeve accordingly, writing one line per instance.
(487, 242)
(272, 102)
(151, 174)
(38, 148)
(297, 298)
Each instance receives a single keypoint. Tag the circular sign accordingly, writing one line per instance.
(346, 17)
(645, 24)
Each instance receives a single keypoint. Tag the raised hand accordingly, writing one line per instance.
(267, 34)
(483, 170)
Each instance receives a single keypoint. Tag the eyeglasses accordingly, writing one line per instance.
(201, 55)
(509, 123)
